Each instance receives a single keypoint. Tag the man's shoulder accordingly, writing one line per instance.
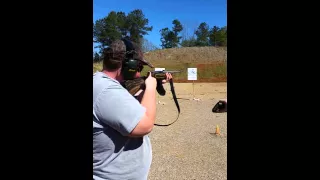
(101, 80)
(102, 76)
(102, 83)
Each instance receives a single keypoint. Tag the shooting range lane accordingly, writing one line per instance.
(188, 149)
(203, 91)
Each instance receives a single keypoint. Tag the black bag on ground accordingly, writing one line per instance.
(220, 107)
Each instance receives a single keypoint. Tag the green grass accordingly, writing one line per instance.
(97, 67)
(218, 70)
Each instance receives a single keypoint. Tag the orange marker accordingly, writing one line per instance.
(217, 130)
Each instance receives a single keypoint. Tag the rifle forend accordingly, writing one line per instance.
(161, 74)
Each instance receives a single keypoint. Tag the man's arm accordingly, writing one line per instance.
(145, 125)
(117, 108)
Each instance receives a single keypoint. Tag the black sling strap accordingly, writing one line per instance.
(176, 102)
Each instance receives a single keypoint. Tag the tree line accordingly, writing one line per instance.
(135, 26)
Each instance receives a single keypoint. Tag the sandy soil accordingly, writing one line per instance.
(189, 149)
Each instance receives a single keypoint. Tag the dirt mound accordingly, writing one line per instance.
(187, 55)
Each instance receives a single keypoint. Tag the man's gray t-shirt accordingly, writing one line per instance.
(115, 114)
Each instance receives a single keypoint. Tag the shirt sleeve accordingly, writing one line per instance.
(116, 107)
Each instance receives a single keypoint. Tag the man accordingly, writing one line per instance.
(121, 146)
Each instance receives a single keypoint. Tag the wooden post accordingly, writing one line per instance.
(193, 89)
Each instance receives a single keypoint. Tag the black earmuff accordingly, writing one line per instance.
(130, 66)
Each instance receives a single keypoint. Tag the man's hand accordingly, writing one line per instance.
(151, 82)
(169, 76)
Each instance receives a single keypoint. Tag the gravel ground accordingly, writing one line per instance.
(189, 149)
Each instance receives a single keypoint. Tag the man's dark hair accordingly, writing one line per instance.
(114, 55)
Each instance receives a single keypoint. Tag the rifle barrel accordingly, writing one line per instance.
(171, 71)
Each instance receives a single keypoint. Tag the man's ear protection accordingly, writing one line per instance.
(130, 66)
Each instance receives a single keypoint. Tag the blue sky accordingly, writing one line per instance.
(161, 13)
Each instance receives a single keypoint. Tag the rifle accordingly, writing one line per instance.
(161, 74)
(137, 86)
